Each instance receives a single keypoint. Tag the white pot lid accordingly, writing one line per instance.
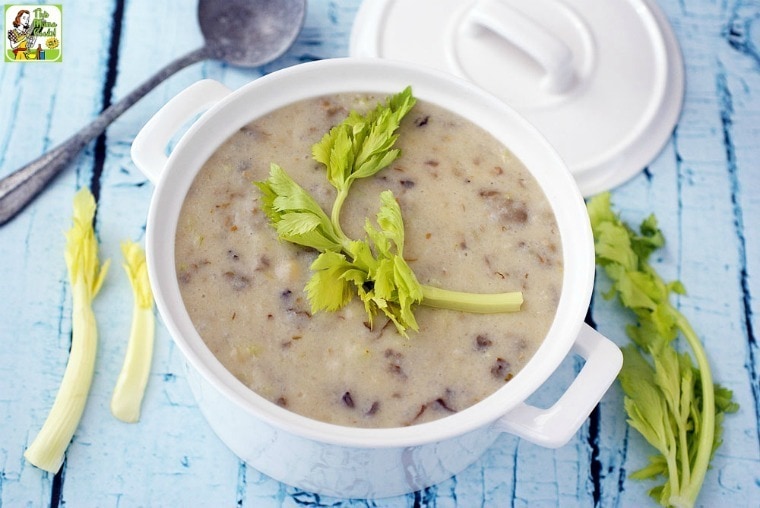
(602, 80)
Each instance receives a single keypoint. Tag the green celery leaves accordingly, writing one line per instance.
(670, 401)
(373, 268)
(294, 213)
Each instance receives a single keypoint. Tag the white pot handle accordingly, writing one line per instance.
(553, 427)
(149, 146)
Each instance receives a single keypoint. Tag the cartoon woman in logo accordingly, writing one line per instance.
(21, 37)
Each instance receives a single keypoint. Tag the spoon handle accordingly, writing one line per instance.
(21, 186)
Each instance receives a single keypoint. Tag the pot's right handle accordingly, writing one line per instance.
(149, 146)
(553, 427)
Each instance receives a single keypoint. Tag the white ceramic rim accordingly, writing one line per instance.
(371, 75)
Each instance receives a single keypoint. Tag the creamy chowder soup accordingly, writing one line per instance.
(475, 221)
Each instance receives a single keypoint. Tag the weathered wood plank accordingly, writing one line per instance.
(40, 106)
(690, 190)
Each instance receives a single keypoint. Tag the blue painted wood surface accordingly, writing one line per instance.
(704, 187)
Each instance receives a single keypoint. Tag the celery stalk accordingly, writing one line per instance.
(695, 477)
(86, 278)
(471, 302)
(133, 378)
(674, 405)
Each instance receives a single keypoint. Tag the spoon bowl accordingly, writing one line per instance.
(244, 33)
(249, 34)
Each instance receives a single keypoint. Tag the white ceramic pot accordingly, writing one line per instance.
(357, 462)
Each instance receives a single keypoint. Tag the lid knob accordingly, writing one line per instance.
(553, 56)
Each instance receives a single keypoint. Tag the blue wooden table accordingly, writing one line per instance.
(704, 187)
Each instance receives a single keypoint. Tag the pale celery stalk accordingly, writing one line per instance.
(86, 278)
(133, 378)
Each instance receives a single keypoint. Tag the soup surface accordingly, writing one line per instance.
(475, 220)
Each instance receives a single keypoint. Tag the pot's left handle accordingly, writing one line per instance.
(150, 144)
(553, 427)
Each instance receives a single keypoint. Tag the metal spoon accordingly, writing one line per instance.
(247, 33)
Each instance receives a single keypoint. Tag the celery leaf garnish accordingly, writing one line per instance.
(294, 213)
(380, 276)
(373, 268)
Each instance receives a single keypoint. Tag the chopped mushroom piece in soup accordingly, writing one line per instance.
(476, 221)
